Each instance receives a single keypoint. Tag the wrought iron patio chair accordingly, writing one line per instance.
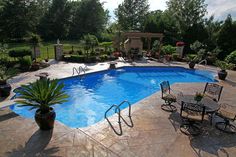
(228, 113)
(213, 91)
(168, 97)
(191, 114)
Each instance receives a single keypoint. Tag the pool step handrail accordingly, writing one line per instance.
(79, 70)
(119, 119)
(118, 111)
(129, 115)
(203, 61)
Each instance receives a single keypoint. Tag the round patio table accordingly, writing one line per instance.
(211, 106)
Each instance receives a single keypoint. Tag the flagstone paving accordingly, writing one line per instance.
(154, 133)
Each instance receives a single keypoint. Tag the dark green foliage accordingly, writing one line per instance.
(19, 53)
(224, 65)
(132, 13)
(168, 50)
(187, 13)
(6, 73)
(35, 40)
(25, 63)
(42, 94)
(55, 23)
(231, 58)
(75, 58)
(104, 58)
(162, 22)
(18, 18)
(89, 17)
(227, 38)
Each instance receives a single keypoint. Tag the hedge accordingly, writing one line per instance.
(19, 53)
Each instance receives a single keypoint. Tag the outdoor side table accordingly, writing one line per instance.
(43, 75)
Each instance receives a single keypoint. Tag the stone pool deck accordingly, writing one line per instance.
(155, 132)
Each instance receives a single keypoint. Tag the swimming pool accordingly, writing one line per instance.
(92, 94)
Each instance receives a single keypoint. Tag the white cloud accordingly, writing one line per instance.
(221, 8)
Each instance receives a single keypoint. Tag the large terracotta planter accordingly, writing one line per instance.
(45, 121)
(222, 74)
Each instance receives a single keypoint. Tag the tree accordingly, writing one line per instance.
(89, 42)
(89, 17)
(18, 18)
(132, 13)
(55, 23)
(226, 38)
(161, 22)
(212, 28)
(187, 13)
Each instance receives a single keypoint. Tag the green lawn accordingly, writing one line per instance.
(47, 48)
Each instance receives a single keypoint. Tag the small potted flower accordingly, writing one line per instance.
(222, 74)
(198, 97)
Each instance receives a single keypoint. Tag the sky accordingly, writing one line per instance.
(219, 8)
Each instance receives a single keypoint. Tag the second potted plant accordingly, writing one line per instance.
(222, 74)
(41, 95)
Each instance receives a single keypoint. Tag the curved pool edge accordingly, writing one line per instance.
(105, 70)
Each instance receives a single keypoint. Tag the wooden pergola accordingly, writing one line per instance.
(147, 36)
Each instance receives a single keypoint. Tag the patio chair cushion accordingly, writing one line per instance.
(169, 97)
(196, 116)
(226, 114)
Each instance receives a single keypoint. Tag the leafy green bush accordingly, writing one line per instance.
(104, 58)
(90, 59)
(25, 63)
(19, 53)
(175, 57)
(8, 61)
(6, 73)
(231, 58)
(168, 50)
(75, 58)
(224, 65)
(192, 58)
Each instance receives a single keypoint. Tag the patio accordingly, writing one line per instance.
(155, 132)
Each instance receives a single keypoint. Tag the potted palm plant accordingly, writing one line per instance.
(192, 59)
(41, 95)
(222, 74)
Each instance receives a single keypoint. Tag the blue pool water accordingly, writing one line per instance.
(93, 94)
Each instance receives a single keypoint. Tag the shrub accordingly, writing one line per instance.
(168, 49)
(8, 61)
(90, 59)
(104, 58)
(19, 53)
(175, 57)
(224, 65)
(192, 58)
(75, 58)
(231, 58)
(25, 63)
